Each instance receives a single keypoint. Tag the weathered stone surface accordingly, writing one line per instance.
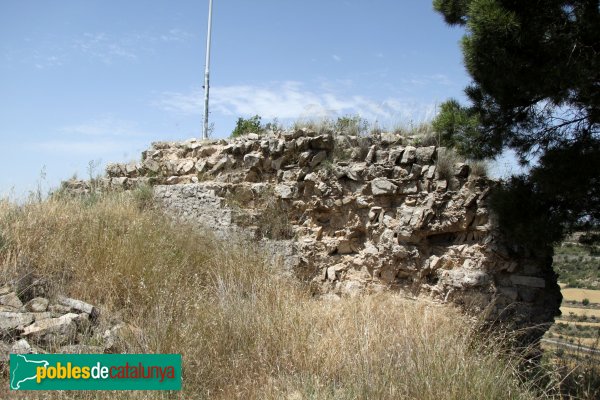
(409, 155)
(21, 346)
(13, 320)
(409, 188)
(131, 169)
(6, 289)
(381, 187)
(114, 170)
(121, 338)
(424, 155)
(151, 165)
(37, 316)
(59, 309)
(79, 305)
(379, 212)
(322, 142)
(119, 182)
(185, 167)
(81, 349)
(284, 191)
(11, 300)
(47, 330)
(318, 158)
(50, 324)
(54, 331)
(37, 305)
(253, 160)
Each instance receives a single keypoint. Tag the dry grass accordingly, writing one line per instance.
(580, 294)
(582, 323)
(580, 311)
(478, 168)
(445, 163)
(244, 331)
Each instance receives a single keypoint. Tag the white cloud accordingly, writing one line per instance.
(92, 148)
(108, 48)
(105, 47)
(291, 100)
(105, 135)
(434, 79)
(105, 126)
(175, 35)
(336, 58)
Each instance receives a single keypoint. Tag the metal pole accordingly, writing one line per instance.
(207, 73)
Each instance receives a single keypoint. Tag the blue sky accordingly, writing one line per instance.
(91, 80)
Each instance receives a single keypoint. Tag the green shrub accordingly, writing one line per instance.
(458, 128)
(249, 125)
(352, 125)
(585, 302)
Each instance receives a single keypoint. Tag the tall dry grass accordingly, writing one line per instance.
(244, 331)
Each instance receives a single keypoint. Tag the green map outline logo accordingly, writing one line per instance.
(95, 372)
(13, 373)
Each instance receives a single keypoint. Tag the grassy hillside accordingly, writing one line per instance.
(245, 331)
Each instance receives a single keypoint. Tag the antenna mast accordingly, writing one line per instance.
(207, 73)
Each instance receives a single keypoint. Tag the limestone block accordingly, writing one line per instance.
(21, 346)
(253, 159)
(409, 155)
(13, 320)
(11, 300)
(410, 187)
(395, 155)
(151, 165)
(37, 305)
(322, 142)
(381, 187)
(318, 158)
(425, 155)
(284, 191)
(79, 305)
(185, 167)
(370, 159)
(304, 158)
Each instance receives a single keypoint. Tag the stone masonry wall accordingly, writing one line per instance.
(365, 214)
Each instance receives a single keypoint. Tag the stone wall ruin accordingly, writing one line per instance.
(362, 214)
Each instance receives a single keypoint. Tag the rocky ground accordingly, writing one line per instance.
(32, 322)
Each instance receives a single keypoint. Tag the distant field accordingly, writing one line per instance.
(579, 294)
(577, 266)
(584, 323)
(589, 342)
(580, 311)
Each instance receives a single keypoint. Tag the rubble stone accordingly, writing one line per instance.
(379, 213)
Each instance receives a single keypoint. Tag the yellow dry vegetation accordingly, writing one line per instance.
(584, 323)
(580, 311)
(588, 342)
(575, 294)
(244, 330)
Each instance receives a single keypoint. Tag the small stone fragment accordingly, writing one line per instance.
(37, 305)
(11, 299)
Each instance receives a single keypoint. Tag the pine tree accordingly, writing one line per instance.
(535, 67)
